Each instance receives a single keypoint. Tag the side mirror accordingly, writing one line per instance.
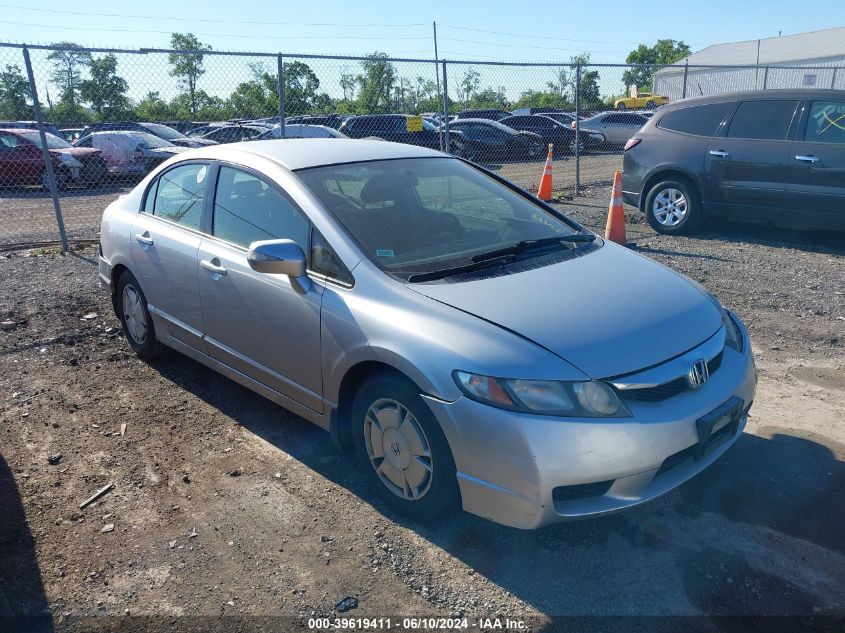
(280, 257)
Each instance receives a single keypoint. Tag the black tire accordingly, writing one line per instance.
(582, 147)
(650, 104)
(691, 220)
(63, 179)
(620, 106)
(148, 346)
(442, 492)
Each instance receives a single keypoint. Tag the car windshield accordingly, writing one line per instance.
(163, 131)
(150, 140)
(53, 141)
(419, 215)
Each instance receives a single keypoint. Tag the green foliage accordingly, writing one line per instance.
(68, 61)
(489, 98)
(105, 90)
(64, 113)
(14, 94)
(468, 86)
(187, 67)
(375, 85)
(666, 51)
(543, 99)
(153, 108)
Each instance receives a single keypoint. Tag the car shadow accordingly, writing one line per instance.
(23, 605)
(659, 558)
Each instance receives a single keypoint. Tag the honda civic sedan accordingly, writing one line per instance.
(474, 346)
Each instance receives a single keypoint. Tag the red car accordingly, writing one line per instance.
(22, 161)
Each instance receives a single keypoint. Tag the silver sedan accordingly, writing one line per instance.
(473, 345)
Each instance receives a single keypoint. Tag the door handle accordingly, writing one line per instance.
(210, 266)
(809, 158)
(719, 152)
(144, 238)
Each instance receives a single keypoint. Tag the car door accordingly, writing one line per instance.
(21, 162)
(613, 129)
(258, 323)
(164, 240)
(746, 162)
(816, 183)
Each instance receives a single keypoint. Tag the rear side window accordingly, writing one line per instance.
(247, 209)
(179, 194)
(762, 120)
(826, 123)
(701, 120)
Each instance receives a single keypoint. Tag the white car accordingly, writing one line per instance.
(130, 153)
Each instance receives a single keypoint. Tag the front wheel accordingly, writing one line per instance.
(63, 178)
(581, 146)
(620, 106)
(650, 104)
(405, 454)
(672, 207)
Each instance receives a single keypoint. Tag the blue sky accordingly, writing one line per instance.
(512, 31)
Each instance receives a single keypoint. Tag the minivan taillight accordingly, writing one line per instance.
(632, 142)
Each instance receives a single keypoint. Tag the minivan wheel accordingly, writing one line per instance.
(672, 208)
(406, 456)
(135, 317)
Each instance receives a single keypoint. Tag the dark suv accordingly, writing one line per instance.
(776, 156)
(398, 128)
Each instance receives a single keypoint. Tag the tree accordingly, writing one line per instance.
(348, 84)
(68, 61)
(301, 85)
(665, 51)
(14, 92)
(105, 90)
(153, 108)
(490, 98)
(187, 67)
(467, 85)
(376, 85)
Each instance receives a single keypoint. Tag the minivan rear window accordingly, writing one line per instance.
(767, 119)
(700, 120)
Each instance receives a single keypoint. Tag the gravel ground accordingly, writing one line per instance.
(225, 507)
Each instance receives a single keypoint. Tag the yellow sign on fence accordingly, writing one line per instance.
(414, 123)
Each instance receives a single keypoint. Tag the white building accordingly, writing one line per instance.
(806, 60)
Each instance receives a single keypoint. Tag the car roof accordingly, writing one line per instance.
(814, 93)
(313, 152)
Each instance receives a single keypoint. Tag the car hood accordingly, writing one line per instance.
(194, 142)
(608, 312)
(76, 152)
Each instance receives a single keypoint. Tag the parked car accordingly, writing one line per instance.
(395, 127)
(488, 141)
(773, 156)
(302, 130)
(490, 113)
(22, 160)
(156, 129)
(464, 337)
(553, 131)
(202, 130)
(616, 127)
(642, 100)
(540, 110)
(329, 120)
(235, 133)
(130, 153)
(183, 126)
(30, 125)
(70, 134)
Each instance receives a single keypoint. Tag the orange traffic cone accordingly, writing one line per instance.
(545, 192)
(615, 230)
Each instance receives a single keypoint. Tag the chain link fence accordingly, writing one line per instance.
(79, 126)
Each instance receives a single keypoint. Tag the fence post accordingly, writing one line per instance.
(280, 80)
(48, 163)
(446, 110)
(686, 71)
(577, 129)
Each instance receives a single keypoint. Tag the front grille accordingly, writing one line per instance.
(668, 389)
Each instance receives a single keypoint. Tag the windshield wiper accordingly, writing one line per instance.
(458, 270)
(527, 245)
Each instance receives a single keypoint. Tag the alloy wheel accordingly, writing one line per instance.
(670, 207)
(398, 449)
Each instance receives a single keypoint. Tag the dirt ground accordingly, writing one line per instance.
(226, 509)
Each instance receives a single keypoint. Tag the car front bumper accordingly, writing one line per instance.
(521, 469)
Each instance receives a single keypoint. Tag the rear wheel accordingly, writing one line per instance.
(650, 104)
(672, 207)
(620, 106)
(406, 456)
(135, 317)
(581, 146)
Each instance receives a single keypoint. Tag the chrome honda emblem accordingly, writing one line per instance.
(698, 373)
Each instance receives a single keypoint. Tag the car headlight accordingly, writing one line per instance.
(583, 399)
(733, 335)
(69, 160)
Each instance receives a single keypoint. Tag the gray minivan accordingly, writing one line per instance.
(775, 156)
